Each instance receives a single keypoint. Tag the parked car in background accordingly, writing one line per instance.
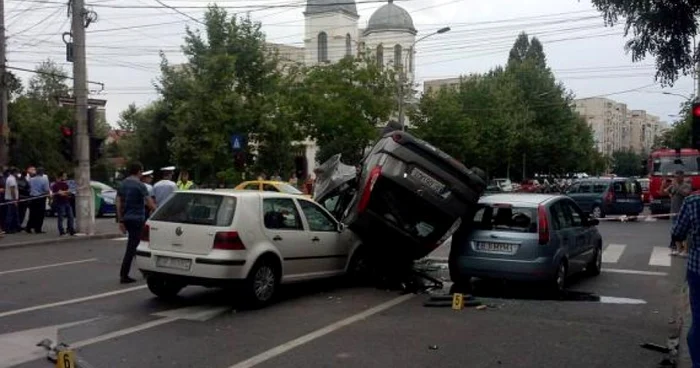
(529, 186)
(256, 239)
(505, 184)
(410, 197)
(607, 196)
(105, 197)
(526, 237)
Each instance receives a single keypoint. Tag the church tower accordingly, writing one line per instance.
(331, 31)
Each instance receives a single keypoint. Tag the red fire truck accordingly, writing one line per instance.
(662, 165)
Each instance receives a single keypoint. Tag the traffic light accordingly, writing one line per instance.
(67, 143)
(696, 124)
(96, 148)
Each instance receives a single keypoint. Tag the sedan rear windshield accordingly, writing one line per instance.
(506, 218)
(198, 209)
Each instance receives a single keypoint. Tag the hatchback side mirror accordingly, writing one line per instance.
(341, 227)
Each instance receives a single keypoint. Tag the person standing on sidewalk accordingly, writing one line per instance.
(39, 191)
(62, 205)
(687, 225)
(132, 201)
(678, 190)
(11, 197)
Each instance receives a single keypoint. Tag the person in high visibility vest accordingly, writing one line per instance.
(184, 182)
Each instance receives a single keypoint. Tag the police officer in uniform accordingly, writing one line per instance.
(164, 187)
(184, 182)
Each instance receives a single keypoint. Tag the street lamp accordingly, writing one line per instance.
(402, 75)
(676, 94)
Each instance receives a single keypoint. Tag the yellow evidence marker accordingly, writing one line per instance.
(66, 359)
(457, 301)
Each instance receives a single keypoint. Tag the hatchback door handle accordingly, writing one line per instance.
(277, 238)
(315, 239)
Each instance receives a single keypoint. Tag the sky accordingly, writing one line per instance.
(123, 44)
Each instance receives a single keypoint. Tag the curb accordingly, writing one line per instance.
(683, 356)
(59, 240)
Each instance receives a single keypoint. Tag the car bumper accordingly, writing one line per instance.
(201, 268)
(660, 206)
(539, 269)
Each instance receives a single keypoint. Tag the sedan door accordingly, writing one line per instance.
(325, 236)
(283, 227)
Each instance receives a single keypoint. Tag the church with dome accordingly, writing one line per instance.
(332, 31)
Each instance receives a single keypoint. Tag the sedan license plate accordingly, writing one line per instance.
(174, 263)
(497, 248)
(427, 180)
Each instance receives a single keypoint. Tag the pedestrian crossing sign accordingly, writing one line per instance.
(237, 142)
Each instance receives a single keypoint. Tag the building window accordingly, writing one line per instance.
(348, 45)
(361, 48)
(322, 47)
(410, 59)
(397, 56)
(380, 56)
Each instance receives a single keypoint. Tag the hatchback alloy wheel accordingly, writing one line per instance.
(560, 281)
(264, 283)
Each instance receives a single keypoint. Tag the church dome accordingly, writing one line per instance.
(331, 6)
(390, 17)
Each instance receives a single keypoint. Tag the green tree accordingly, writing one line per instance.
(340, 105)
(35, 119)
(226, 87)
(627, 163)
(663, 29)
(680, 134)
(147, 134)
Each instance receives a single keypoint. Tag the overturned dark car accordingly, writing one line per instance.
(404, 200)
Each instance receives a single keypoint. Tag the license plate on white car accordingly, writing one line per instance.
(427, 180)
(174, 263)
(497, 248)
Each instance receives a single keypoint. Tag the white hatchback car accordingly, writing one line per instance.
(214, 238)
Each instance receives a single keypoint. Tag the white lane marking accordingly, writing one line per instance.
(48, 266)
(199, 313)
(612, 253)
(660, 256)
(289, 345)
(71, 301)
(120, 239)
(615, 300)
(20, 347)
(635, 272)
(123, 332)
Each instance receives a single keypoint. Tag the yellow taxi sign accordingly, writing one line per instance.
(66, 359)
(457, 301)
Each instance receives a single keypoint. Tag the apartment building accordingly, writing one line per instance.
(616, 128)
(435, 85)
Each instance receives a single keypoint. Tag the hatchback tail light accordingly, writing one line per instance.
(367, 192)
(228, 240)
(543, 229)
(146, 233)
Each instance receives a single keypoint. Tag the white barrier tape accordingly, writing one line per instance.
(625, 218)
(7, 203)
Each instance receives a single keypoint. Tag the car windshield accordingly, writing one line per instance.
(505, 217)
(669, 165)
(197, 208)
(287, 188)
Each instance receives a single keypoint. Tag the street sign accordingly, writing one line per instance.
(237, 142)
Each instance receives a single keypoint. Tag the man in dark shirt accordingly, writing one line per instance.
(61, 201)
(131, 215)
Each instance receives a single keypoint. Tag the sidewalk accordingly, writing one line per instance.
(104, 228)
(683, 360)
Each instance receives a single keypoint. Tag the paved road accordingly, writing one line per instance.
(76, 298)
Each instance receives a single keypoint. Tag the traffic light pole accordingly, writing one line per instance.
(4, 79)
(84, 203)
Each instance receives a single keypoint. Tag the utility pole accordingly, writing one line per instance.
(85, 206)
(4, 81)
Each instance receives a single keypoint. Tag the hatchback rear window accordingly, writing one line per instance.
(197, 208)
(506, 218)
